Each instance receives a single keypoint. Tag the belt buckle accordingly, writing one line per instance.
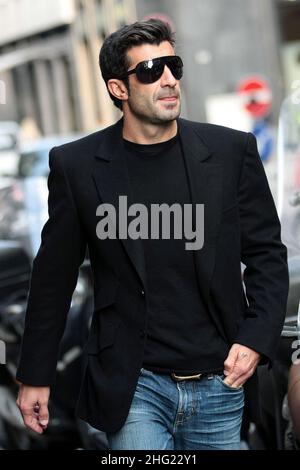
(180, 378)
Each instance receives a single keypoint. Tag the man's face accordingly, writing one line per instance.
(157, 102)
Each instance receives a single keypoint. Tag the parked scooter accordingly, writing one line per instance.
(280, 395)
(64, 430)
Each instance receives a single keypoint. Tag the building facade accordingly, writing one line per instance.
(49, 61)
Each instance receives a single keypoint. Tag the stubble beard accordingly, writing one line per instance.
(153, 115)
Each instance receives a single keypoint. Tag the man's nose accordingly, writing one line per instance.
(167, 78)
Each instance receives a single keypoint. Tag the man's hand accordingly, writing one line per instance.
(240, 364)
(33, 404)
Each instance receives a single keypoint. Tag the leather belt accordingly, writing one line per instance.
(179, 378)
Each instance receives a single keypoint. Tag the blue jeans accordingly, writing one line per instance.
(187, 415)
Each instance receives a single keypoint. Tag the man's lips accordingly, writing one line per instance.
(169, 98)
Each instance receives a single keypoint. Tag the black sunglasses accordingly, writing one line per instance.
(149, 71)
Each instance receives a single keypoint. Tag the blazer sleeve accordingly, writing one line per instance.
(53, 280)
(266, 276)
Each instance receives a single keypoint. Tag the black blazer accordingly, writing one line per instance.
(226, 175)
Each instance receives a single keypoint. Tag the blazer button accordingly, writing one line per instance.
(142, 292)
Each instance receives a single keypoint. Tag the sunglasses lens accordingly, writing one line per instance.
(151, 71)
(176, 66)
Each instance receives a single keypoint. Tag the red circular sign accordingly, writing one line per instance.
(256, 96)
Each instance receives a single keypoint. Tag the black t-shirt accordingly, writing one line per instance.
(181, 336)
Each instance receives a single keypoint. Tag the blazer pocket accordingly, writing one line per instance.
(107, 334)
(104, 322)
(104, 337)
(106, 296)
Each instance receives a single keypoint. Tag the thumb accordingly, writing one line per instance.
(230, 360)
(43, 414)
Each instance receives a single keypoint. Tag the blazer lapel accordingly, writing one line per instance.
(205, 181)
(112, 180)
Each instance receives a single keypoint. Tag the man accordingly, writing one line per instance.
(174, 342)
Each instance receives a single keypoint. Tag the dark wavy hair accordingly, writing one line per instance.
(113, 59)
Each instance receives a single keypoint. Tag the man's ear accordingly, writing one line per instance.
(118, 89)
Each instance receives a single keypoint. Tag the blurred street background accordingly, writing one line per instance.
(49, 56)
(241, 69)
(234, 52)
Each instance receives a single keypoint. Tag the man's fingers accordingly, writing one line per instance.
(243, 378)
(230, 361)
(30, 420)
(245, 362)
(32, 424)
(33, 404)
(238, 378)
(43, 414)
(240, 369)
